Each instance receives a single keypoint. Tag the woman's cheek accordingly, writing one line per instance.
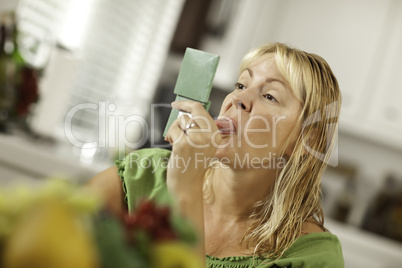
(259, 127)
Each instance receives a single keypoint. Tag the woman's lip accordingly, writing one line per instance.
(226, 125)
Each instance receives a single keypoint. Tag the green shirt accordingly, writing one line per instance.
(143, 173)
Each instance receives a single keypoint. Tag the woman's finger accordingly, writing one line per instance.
(175, 133)
(186, 122)
(199, 115)
(179, 128)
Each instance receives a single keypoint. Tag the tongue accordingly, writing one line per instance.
(225, 126)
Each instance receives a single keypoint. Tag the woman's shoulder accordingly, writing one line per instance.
(311, 226)
(317, 240)
(316, 249)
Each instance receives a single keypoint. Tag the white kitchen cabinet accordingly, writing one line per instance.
(342, 32)
(384, 111)
(237, 40)
(360, 39)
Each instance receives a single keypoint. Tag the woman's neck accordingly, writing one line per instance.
(228, 207)
(235, 192)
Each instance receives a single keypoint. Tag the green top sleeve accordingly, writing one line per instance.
(312, 250)
(143, 174)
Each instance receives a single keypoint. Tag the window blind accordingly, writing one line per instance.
(122, 49)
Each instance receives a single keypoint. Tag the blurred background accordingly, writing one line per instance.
(85, 82)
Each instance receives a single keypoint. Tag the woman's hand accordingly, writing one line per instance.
(194, 140)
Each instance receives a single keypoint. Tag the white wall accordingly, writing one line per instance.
(8, 5)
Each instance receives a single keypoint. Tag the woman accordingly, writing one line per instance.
(249, 181)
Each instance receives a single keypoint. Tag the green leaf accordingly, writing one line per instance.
(113, 249)
(184, 229)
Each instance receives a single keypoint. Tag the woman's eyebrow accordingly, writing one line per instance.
(272, 79)
(268, 80)
(249, 72)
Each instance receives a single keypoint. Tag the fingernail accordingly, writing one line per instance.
(174, 105)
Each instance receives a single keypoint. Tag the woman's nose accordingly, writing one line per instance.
(242, 100)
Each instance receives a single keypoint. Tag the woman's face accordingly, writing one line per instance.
(257, 117)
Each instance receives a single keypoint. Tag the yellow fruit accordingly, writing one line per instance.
(49, 236)
(175, 254)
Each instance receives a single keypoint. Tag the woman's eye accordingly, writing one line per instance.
(239, 86)
(270, 97)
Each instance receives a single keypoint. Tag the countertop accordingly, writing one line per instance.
(35, 159)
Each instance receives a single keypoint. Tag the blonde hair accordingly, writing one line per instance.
(277, 221)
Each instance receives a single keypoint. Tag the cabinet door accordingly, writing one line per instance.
(348, 34)
(345, 33)
(385, 109)
(237, 39)
(360, 40)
